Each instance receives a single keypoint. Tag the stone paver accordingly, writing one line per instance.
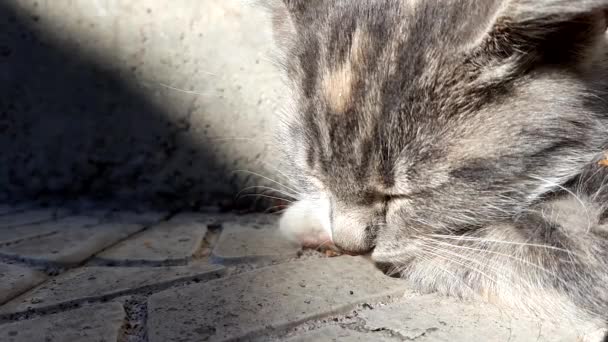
(338, 334)
(435, 318)
(204, 218)
(15, 280)
(167, 241)
(28, 231)
(29, 217)
(101, 322)
(242, 244)
(145, 218)
(71, 245)
(9, 209)
(216, 220)
(307, 300)
(6, 209)
(265, 299)
(94, 282)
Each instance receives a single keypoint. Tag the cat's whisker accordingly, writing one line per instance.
(283, 176)
(578, 199)
(393, 270)
(476, 239)
(192, 92)
(526, 262)
(268, 179)
(277, 212)
(430, 247)
(452, 275)
(507, 199)
(273, 210)
(436, 253)
(584, 181)
(267, 196)
(268, 188)
(429, 243)
(230, 138)
(324, 243)
(496, 271)
(428, 224)
(272, 61)
(600, 188)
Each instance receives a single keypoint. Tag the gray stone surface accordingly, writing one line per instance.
(339, 334)
(240, 243)
(28, 231)
(101, 322)
(182, 95)
(96, 282)
(145, 218)
(15, 280)
(71, 245)
(311, 299)
(435, 318)
(5, 209)
(174, 241)
(266, 299)
(28, 217)
(8, 209)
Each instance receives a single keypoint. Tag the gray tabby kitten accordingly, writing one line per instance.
(460, 141)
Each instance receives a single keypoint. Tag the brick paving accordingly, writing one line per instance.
(125, 276)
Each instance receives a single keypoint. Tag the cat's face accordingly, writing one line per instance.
(421, 117)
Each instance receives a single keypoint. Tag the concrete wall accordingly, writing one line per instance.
(152, 101)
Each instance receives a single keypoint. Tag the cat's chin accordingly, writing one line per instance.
(304, 223)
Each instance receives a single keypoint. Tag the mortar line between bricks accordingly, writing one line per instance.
(141, 231)
(359, 326)
(75, 303)
(56, 266)
(54, 217)
(17, 211)
(17, 294)
(206, 243)
(28, 238)
(35, 223)
(53, 269)
(45, 264)
(282, 331)
(96, 261)
(393, 335)
(250, 265)
(331, 320)
(49, 267)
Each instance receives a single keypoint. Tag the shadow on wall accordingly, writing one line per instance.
(74, 126)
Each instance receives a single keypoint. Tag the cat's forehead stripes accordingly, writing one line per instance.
(337, 87)
(384, 87)
(360, 41)
(338, 82)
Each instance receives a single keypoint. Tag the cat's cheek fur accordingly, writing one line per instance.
(307, 222)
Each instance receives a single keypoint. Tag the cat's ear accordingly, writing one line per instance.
(549, 31)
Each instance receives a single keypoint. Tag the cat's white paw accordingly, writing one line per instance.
(307, 223)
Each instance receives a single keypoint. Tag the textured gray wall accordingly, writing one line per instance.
(90, 102)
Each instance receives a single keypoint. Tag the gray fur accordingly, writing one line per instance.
(459, 140)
